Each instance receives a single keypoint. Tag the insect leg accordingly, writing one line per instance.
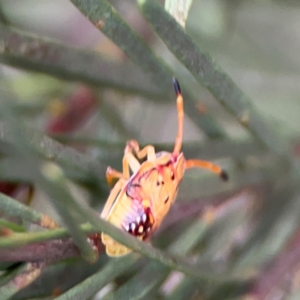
(129, 161)
(112, 174)
(179, 101)
(112, 197)
(206, 165)
(148, 151)
(132, 146)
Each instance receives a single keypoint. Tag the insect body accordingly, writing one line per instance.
(139, 203)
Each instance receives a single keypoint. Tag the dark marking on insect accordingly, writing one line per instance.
(132, 189)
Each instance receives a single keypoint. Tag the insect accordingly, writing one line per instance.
(138, 203)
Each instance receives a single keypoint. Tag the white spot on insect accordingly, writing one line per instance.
(126, 227)
(133, 226)
(144, 218)
(141, 229)
(138, 219)
(148, 229)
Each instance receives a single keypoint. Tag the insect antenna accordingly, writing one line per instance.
(179, 102)
(194, 163)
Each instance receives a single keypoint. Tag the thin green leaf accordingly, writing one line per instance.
(179, 9)
(54, 151)
(105, 18)
(9, 275)
(185, 290)
(295, 295)
(54, 184)
(13, 208)
(210, 75)
(273, 231)
(148, 250)
(3, 18)
(49, 57)
(152, 276)
(3, 267)
(49, 179)
(23, 277)
(21, 239)
(214, 149)
(96, 282)
(72, 272)
(142, 284)
(12, 226)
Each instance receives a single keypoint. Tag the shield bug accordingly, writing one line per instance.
(139, 202)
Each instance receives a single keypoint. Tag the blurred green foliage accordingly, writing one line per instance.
(219, 237)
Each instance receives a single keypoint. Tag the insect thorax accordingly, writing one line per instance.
(152, 191)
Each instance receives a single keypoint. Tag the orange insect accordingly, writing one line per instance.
(139, 203)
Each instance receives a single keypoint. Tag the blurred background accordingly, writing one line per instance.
(257, 43)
